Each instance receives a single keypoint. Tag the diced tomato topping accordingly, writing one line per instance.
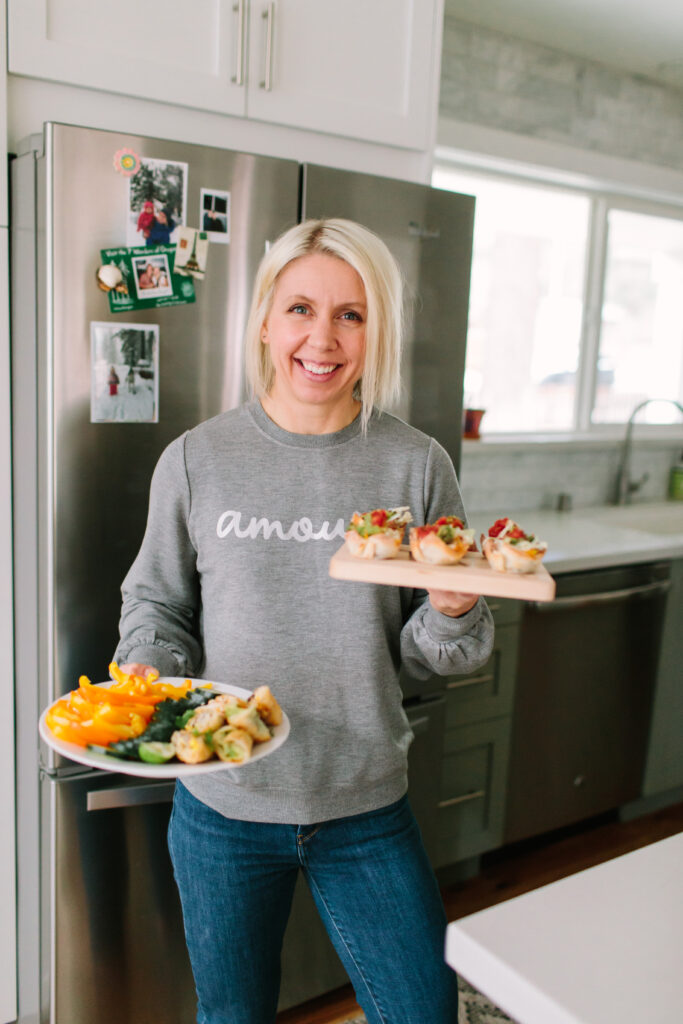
(498, 527)
(378, 517)
(422, 531)
(450, 521)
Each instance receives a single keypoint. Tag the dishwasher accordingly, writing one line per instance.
(585, 686)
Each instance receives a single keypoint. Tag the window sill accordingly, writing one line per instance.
(610, 438)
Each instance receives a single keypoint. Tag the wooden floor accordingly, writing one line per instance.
(515, 870)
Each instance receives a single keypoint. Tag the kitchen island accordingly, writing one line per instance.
(599, 947)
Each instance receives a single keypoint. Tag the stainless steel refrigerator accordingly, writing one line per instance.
(100, 932)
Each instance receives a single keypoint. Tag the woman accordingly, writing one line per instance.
(161, 228)
(232, 584)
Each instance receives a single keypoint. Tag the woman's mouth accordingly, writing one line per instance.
(318, 369)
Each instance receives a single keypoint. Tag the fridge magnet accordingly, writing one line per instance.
(126, 162)
(191, 252)
(110, 278)
(148, 278)
(124, 373)
(214, 214)
(157, 201)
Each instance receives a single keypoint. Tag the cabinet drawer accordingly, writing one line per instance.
(472, 794)
(504, 610)
(488, 692)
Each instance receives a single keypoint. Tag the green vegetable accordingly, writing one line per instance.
(155, 752)
(182, 720)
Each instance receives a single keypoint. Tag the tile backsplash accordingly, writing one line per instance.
(496, 80)
(534, 475)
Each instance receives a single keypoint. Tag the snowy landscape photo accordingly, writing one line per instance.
(157, 202)
(124, 380)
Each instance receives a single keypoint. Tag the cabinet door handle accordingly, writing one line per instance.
(269, 15)
(605, 597)
(239, 9)
(473, 681)
(419, 725)
(462, 799)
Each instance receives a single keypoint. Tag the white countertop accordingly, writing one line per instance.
(602, 946)
(592, 538)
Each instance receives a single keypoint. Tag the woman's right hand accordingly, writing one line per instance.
(136, 668)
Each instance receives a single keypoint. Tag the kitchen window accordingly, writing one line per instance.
(574, 310)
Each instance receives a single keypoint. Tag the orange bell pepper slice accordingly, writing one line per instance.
(103, 715)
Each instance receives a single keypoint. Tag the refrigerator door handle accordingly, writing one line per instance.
(130, 796)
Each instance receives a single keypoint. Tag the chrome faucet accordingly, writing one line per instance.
(626, 487)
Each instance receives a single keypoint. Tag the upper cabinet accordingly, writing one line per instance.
(366, 70)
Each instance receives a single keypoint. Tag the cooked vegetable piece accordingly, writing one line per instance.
(250, 720)
(155, 752)
(232, 744)
(266, 705)
(190, 748)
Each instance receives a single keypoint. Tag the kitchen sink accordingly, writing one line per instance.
(662, 518)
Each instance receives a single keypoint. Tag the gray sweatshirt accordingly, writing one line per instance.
(231, 584)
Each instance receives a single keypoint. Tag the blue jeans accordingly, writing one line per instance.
(374, 889)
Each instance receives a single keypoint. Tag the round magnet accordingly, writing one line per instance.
(126, 162)
(109, 276)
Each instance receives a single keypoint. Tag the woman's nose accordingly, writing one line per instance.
(322, 334)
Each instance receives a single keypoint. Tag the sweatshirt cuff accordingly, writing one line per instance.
(442, 628)
(158, 657)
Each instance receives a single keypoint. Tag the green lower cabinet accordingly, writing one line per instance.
(472, 795)
(490, 691)
(476, 747)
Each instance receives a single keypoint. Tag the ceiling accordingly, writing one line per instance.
(643, 37)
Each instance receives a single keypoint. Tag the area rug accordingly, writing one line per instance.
(473, 1008)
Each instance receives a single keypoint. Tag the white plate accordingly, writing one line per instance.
(172, 769)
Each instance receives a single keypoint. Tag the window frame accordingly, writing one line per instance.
(602, 199)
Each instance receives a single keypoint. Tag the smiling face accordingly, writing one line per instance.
(315, 331)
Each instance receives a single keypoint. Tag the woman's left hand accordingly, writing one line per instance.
(452, 603)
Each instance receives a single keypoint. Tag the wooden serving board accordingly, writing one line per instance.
(473, 575)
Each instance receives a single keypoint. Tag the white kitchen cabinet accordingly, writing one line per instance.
(8, 934)
(366, 70)
(8, 918)
(175, 52)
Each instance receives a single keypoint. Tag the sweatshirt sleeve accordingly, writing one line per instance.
(161, 596)
(432, 642)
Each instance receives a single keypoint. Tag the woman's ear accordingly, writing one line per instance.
(264, 333)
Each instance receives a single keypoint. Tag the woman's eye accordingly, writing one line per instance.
(351, 314)
(298, 308)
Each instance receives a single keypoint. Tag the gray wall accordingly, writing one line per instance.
(495, 80)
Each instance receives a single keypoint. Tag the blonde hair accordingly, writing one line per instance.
(378, 270)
